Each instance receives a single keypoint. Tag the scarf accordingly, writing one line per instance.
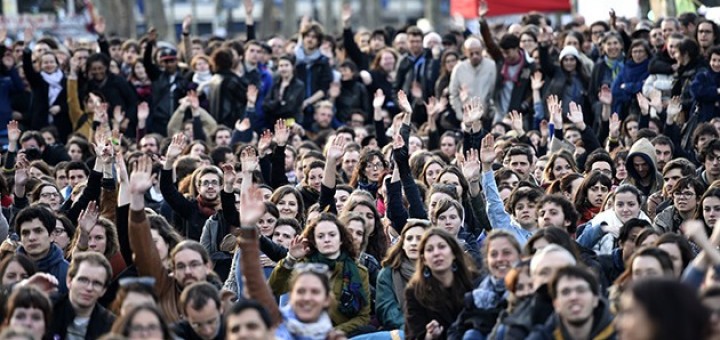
(401, 277)
(368, 186)
(202, 79)
(614, 65)
(352, 296)
(301, 56)
(54, 81)
(206, 208)
(295, 329)
(506, 68)
(588, 214)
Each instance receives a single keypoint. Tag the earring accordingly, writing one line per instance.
(454, 266)
(426, 272)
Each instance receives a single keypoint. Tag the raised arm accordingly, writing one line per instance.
(147, 258)
(180, 205)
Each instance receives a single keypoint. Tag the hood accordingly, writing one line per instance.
(645, 149)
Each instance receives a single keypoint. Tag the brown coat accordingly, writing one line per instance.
(148, 263)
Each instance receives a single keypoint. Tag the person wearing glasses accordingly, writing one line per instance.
(190, 213)
(78, 315)
(369, 171)
(143, 322)
(203, 311)
(685, 195)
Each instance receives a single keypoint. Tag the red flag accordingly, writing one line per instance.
(468, 8)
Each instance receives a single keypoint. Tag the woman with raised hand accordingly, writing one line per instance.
(326, 241)
(435, 294)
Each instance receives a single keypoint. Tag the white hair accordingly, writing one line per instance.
(551, 248)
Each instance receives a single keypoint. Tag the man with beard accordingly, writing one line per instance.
(642, 168)
(190, 261)
(190, 214)
(580, 312)
(203, 313)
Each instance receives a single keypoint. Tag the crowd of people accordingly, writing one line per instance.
(530, 181)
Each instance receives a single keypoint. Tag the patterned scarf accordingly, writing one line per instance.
(299, 330)
(614, 65)
(352, 296)
(506, 68)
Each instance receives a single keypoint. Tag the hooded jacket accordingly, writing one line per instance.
(646, 150)
(602, 327)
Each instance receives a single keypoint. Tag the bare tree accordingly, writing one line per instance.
(119, 17)
(289, 22)
(268, 23)
(155, 17)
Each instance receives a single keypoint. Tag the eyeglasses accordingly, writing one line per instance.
(598, 32)
(376, 166)
(142, 280)
(685, 194)
(94, 284)
(317, 268)
(214, 183)
(49, 194)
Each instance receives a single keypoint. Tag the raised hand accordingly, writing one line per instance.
(282, 132)
(176, 147)
(694, 230)
(242, 125)
(187, 22)
(335, 150)
(121, 167)
(101, 115)
(252, 94)
(248, 160)
(555, 110)
(433, 330)
(88, 217)
(643, 103)
(614, 126)
(229, 176)
(482, 8)
(398, 141)
(655, 97)
(576, 115)
(100, 25)
(378, 99)
(471, 165)
(152, 35)
(252, 206)
(28, 34)
(536, 81)
(249, 6)
(516, 119)
(13, 131)
(487, 152)
(264, 142)
(118, 114)
(605, 95)
(22, 167)
(45, 282)
(141, 178)
(346, 14)
(299, 247)
(416, 90)
(143, 111)
(673, 109)
(473, 111)
(103, 146)
(544, 129)
(403, 102)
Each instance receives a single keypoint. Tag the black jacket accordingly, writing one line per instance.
(118, 92)
(183, 330)
(353, 97)
(227, 97)
(288, 104)
(429, 74)
(189, 219)
(38, 115)
(101, 320)
(167, 90)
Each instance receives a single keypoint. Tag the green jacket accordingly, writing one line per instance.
(387, 307)
(279, 283)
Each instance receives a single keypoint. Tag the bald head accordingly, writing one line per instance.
(473, 50)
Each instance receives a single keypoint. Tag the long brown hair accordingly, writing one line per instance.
(429, 291)
(396, 255)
